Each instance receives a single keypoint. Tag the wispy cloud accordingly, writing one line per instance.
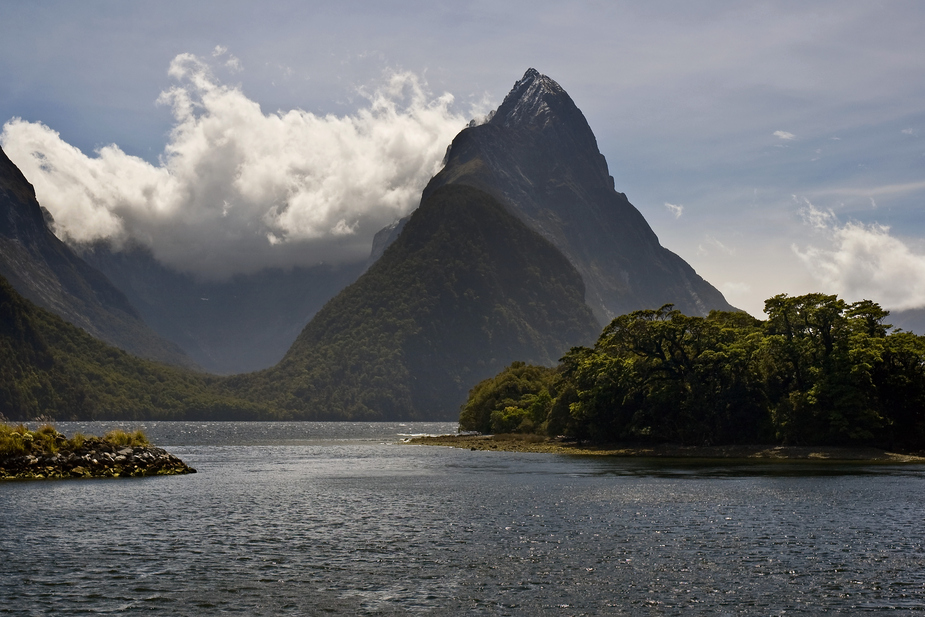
(676, 210)
(711, 245)
(784, 135)
(237, 190)
(863, 261)
(232, 62)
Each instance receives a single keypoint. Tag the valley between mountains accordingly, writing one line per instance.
(521, 250)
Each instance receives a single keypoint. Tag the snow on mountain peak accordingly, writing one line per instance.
(529, 100)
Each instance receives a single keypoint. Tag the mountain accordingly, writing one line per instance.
(239, 325)
(910, 320)
(51, 368)
(538, 156)
(46, 271)
(464, 290)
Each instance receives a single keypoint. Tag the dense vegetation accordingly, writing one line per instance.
(50, 368)
(464, 290)
(818, 371)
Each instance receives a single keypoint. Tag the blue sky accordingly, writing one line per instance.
(777, 147)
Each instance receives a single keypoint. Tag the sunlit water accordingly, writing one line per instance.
(341, 519)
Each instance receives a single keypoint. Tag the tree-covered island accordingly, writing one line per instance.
(818, 371)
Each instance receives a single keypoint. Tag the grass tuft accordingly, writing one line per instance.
(119, 437)
(18, 440)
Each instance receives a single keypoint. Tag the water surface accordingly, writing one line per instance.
(340, 519)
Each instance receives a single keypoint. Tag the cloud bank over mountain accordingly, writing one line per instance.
(238, 190)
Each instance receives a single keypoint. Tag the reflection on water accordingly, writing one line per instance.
(302, 519)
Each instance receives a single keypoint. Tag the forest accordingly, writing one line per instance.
(52, 369)
(818, 371)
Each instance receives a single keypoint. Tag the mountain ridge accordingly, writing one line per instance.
(47, 272)
(465, 289)
(539, 157)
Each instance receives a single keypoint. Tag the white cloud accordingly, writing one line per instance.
(910, 131)
(784, 135)
(237, 190)
(676, 210)
(864, 261)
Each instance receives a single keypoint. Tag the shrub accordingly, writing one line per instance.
(119, 437)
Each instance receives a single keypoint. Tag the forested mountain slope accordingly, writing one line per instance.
(50, 368)
(464, 290)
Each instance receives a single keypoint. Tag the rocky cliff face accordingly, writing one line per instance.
(44, 270)
(538, 156)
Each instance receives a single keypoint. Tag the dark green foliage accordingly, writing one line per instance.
(658, 374)
(464, 290)
(50, 368)
(818, 371)
(515, 400)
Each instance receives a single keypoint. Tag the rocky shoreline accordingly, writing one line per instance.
(94, 458)
(531, 443)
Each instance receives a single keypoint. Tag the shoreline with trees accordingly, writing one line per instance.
(818, 372)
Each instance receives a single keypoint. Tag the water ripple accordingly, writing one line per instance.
(284, 520)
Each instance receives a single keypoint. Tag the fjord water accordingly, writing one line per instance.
(341, 518)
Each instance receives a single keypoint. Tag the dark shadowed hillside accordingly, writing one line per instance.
(44, 270)
(464, 290)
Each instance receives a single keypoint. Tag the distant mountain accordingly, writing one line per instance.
(464, 290)
(910, 320)
(44, 270)
(384, 237)
(538, 156)
(51, 368)
(238, 325)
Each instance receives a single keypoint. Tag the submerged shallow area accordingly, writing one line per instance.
(325, 518)
(534, 443)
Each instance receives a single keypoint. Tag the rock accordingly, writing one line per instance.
(93, 460)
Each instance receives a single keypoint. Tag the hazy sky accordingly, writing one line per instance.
(777, 147)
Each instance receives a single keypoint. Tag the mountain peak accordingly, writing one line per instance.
(534, 100)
